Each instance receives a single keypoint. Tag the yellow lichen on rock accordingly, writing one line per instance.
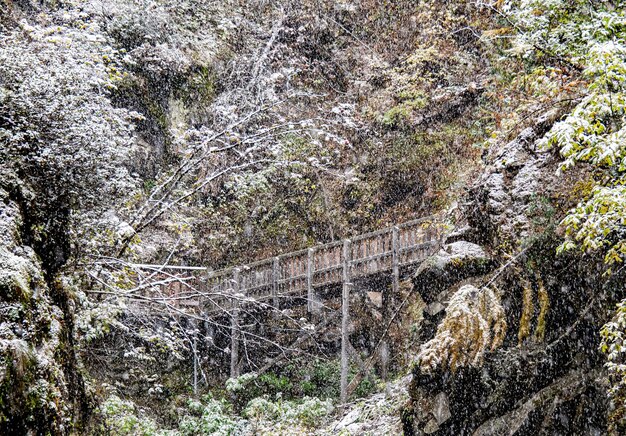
(528, 311)
(474, 323)
(544, 306)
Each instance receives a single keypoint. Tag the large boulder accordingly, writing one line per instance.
(456, 261)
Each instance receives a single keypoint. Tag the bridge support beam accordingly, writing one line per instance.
(234, 326)
(386, 298)
(194, 350)
(345, 320)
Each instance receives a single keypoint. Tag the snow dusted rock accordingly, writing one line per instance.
(474, 323)
(456, 261)
(497, 192)
(376, 415)
(519, 173)
(459, 254)
(18, 264)
(565, 389)
(349, 419)
(552, 384)
(465, 251)
(441, 408)
(34, 394)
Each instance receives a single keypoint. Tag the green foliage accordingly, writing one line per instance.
(94, 321)
(121, 419)
(248, 386)
(592, 37)
(241, 383)
(599, 223)
(410, 101)
(594, 131)
(200, 86)
(307, 412)
(208, 417)
(561, 30)
(317, 378)
(320, 379)
(614, 345)
(411, 80)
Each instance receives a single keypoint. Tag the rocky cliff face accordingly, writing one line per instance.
(41, 388)
(543, 374)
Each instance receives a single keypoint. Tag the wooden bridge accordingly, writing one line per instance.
(298, 277)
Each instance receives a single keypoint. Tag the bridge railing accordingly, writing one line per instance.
(296, 274)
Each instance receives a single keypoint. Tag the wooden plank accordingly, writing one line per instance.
(326, 265)
(328, 269)
(275, 278)
(377, 251)
(302, 283)
(395, 261)
(361, 268)
(388, 251)
(345, 320)
(408, 257)
(375, 257)
(293, 277)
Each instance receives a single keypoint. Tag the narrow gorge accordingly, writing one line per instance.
(276, 217)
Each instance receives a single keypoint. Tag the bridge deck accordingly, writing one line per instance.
(298, 274)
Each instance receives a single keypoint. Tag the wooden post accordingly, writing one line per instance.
(384, 359)
(312, 304)
(275, 278)
(234, 327)
(395, 260)
(345, 312)
(195, 358)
